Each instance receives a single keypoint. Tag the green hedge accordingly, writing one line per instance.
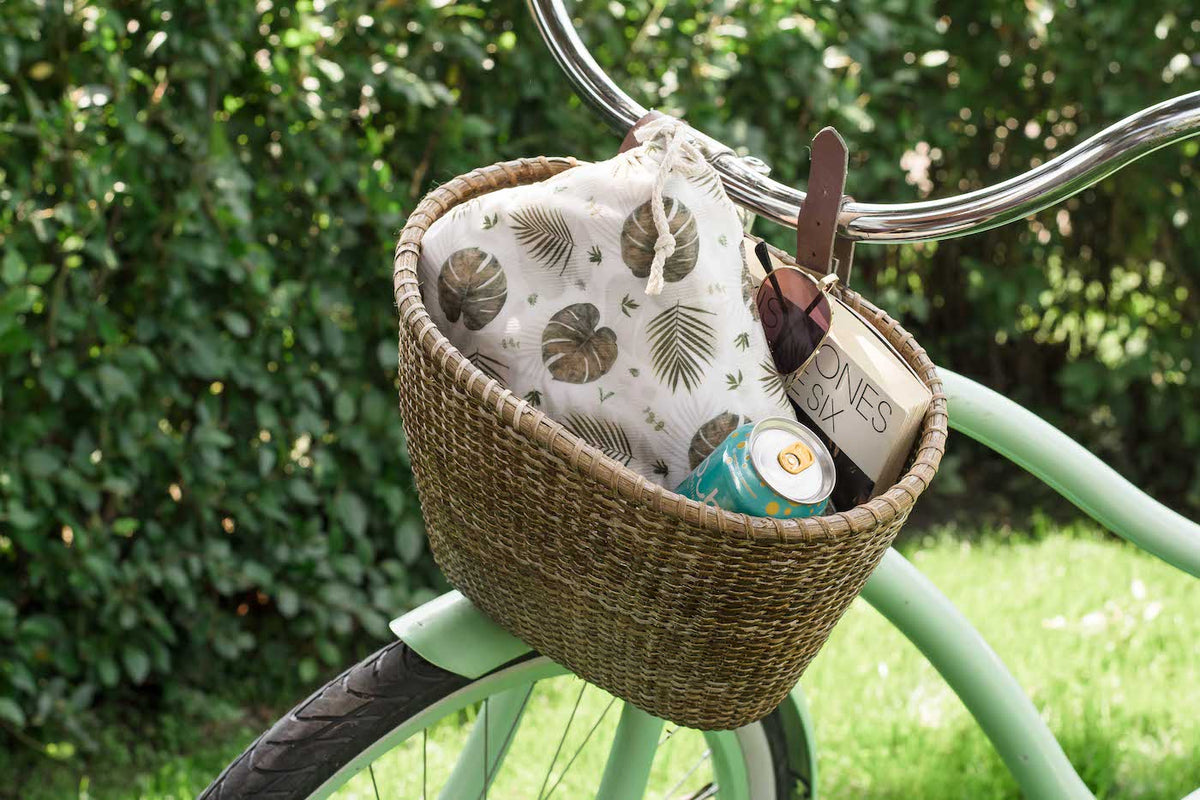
(202, 474)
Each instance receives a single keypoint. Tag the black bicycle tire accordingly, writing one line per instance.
(337, 722)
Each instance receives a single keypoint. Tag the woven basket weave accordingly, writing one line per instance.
(695, 614)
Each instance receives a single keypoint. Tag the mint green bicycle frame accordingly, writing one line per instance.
(453, 634)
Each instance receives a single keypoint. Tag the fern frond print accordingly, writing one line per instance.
(489, 366)
(774, 383)
(710, 181)
(606, 436)
(545, 233)
(681, 343)
(462, 209)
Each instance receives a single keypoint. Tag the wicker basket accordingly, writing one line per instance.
(696, 614)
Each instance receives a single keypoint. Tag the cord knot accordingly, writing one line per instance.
(680, 154)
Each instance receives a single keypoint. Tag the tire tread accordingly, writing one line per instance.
(334, 724)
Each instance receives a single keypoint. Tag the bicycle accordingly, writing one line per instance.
(386, 709)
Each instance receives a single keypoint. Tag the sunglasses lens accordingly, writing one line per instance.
(795, 316)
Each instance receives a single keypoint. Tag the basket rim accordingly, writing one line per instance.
(549, 435)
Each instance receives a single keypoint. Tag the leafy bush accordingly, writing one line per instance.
(201, 470)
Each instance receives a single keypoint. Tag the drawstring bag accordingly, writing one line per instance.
(615, 297)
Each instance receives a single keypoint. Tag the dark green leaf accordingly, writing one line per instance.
(41, 463)
(115, 383)
(302, 492)
(237, 324)
(352, 512)
(343, 408)
(410, 541)
(12, 267)
(137, 663)
(308, 670)
(11, 712)
(288, 601)
(266, 460)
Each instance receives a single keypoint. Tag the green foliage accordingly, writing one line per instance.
(201, 470)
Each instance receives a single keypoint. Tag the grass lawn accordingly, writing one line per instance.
(1103, 637)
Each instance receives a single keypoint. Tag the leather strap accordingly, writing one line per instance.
(630, 141)
(816, 225)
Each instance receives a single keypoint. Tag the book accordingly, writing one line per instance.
(865, 403)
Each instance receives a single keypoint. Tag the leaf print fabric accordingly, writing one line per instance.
(545, 233)
(542, 286)
(711, 434)
(574, 348)
(682, 344)
(489, 365)
(749, 287)
(605, 435)
(771, 380)
(710, 181)
(639, 235)
(472, 285)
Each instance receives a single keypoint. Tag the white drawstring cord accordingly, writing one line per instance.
(680, 154)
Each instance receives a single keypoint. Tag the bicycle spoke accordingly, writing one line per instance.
(467, 781)
(374, 785)
(561, 739)
(485, 747)
(563, 774)
(706, 792)
(425, 764)
(690, 773)
(666, 736)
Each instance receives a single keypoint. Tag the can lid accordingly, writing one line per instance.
(792, 460)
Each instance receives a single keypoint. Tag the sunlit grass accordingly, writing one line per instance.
(1103, 638)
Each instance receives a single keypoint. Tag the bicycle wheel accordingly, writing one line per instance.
(396, 726)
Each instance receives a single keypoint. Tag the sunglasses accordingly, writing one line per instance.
(795, 312)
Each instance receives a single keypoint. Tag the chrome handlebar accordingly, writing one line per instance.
(1050, 183)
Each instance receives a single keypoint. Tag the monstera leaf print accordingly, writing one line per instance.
(681, 343)
(711, 434)
(574, 349)
(544, 232)
(605, 435)
(638, 236)
(472, 286)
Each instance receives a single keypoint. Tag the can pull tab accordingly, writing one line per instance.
(795, 458)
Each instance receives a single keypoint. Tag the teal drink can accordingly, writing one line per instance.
(773, 468)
